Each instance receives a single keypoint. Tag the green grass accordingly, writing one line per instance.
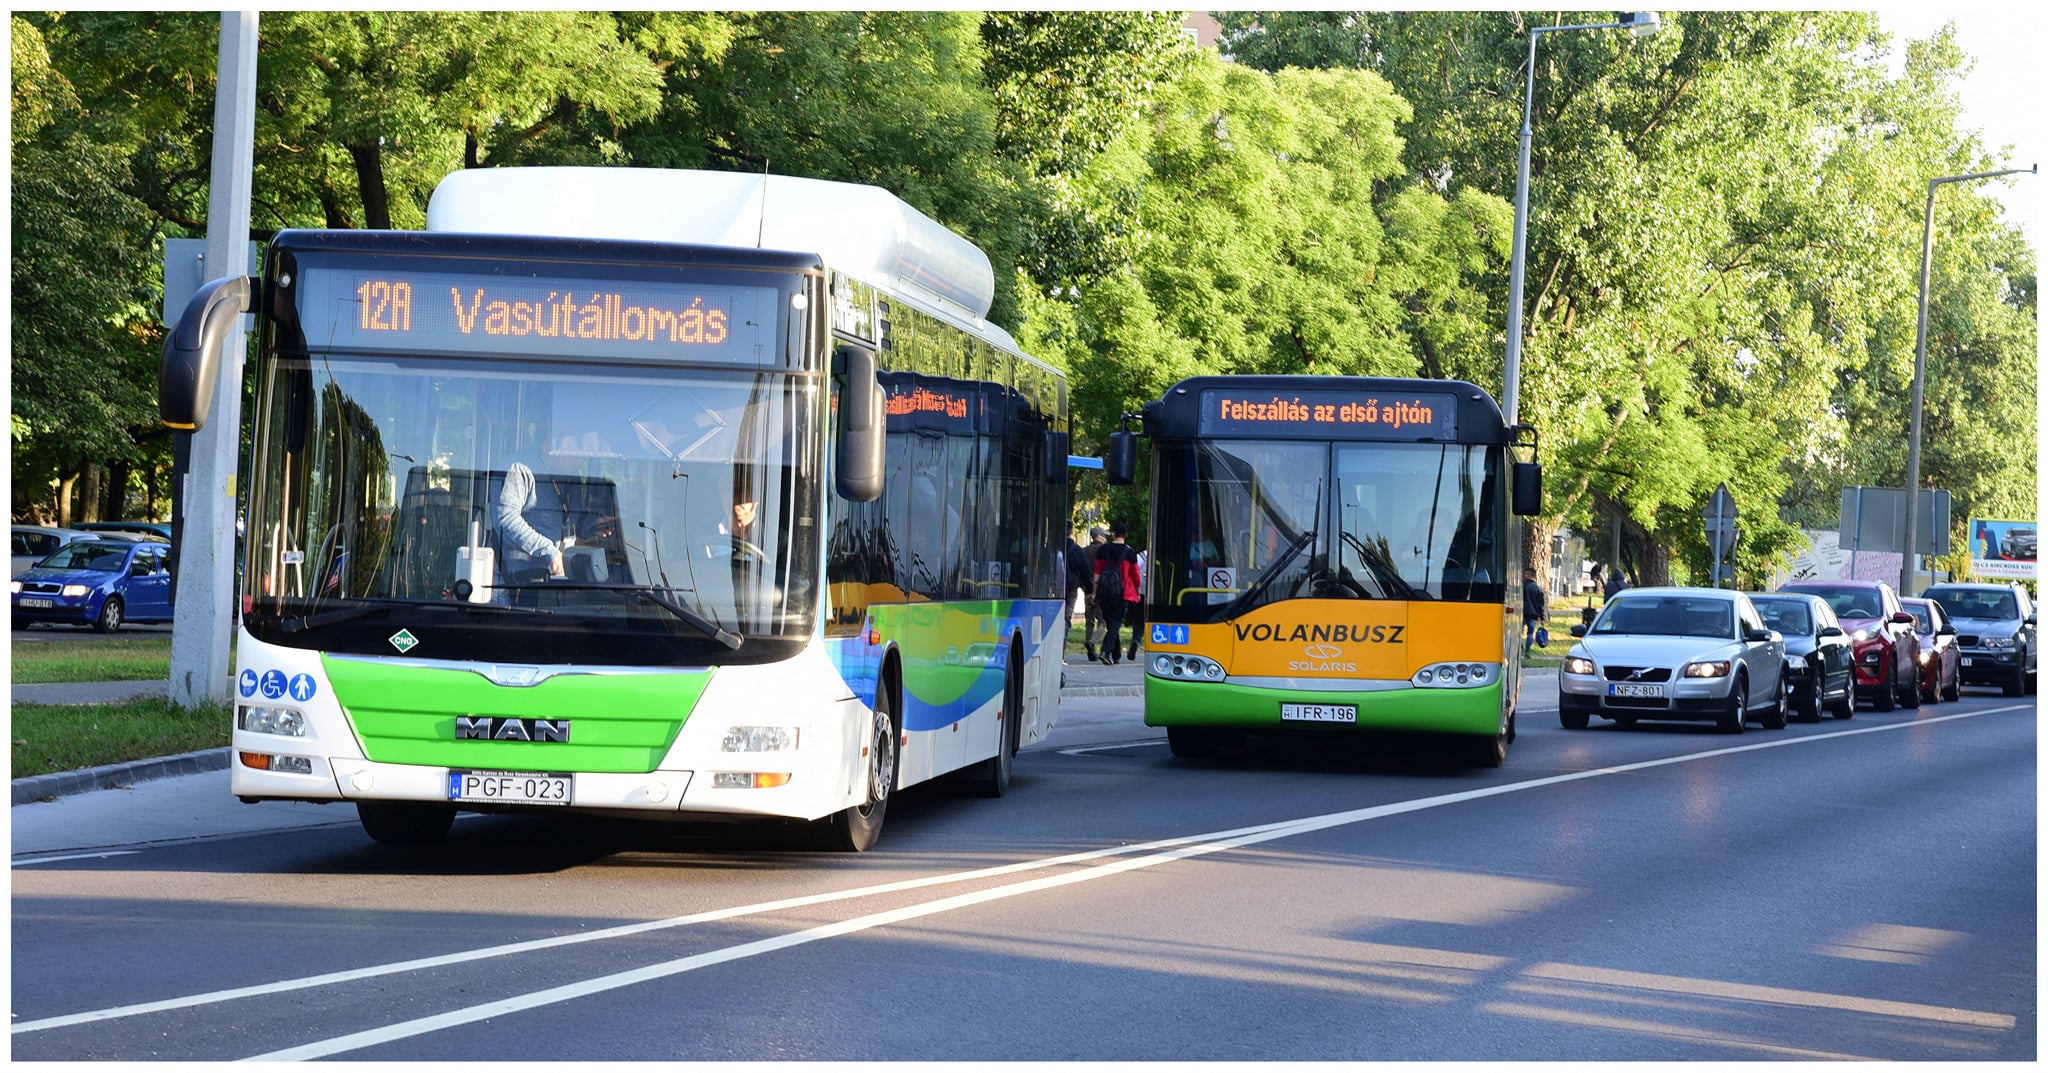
(93, 659)
(50, 738)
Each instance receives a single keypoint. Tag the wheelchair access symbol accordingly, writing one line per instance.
(1169, 634)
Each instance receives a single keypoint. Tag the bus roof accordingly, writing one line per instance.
(1289, 407)
(864, 231)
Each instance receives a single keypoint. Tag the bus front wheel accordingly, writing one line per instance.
(405, 823)
(856, 829)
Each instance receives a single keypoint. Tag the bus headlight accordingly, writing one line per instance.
(758, 739)
(1713, 668)
(289, 722)
(1456, 675)
(1186, 668)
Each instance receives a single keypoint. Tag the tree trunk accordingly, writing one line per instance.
(115, 499)
(89, 493)
(369, 158)
(64, 486)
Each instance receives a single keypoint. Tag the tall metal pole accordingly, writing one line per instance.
(1906, 570)
(1641, 23)
(205, 581)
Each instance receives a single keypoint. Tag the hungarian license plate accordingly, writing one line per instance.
(1966, 659)
(30, 601)
(509, 787)
(1320, 713)
(1634, 689)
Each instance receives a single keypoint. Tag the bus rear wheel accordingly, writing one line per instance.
(1193, 743)
(992, 776)
(856, 829)
(405, 823)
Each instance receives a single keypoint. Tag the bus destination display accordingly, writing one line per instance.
(491, 314)
(1337, 415)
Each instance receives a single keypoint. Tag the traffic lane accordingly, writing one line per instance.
(509, 846)
(1775, 903)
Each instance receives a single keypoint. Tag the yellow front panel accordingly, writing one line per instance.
(1347, 639)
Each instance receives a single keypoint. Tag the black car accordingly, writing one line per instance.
(1995, 628)
(2019, 543)
(1820, 667)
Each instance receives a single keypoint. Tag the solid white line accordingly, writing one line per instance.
(1082, 750)
(1214, 841)
(26, 861)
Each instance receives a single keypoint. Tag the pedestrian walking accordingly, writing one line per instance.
(1535, 610)
(1114, 582)
(1091, 618)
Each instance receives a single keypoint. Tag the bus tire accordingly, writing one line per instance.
(856, 829)
(1490, 751)
(1192, 743)
(405, 823)
(992, 776)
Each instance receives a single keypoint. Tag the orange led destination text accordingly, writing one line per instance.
(1392, 414)
(387, 306)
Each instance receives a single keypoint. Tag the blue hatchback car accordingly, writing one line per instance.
(97, 583)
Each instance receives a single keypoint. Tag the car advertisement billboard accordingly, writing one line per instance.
(2002, 548)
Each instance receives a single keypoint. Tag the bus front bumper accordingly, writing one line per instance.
(1388, 706)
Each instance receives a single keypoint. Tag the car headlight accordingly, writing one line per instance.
(1797, 663)
(1926, 654)
(77, 590)
(1709, 668)
(1863, 634)
(1578, 665)
(1998, 642)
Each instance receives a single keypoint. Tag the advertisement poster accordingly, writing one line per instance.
(2002, 548)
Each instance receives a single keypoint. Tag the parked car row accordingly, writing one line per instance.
(1812, 647)
(103, 576)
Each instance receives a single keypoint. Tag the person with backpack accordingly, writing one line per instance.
(1113, 566)
(1535, 610)
(1091, 620)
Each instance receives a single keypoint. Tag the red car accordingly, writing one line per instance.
(1941, 658)
(1881, 635)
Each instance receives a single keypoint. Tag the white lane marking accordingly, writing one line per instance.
(1080, 750)
(26, 861)
(1215, 840)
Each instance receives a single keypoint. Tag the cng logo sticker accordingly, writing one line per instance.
(403, 641)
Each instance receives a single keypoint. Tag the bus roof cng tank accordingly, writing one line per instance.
(864, 231)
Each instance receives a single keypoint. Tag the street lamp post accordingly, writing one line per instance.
(1906, 570)
(1640, 23)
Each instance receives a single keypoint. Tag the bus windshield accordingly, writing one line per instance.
(1286, 519)
(654, 515)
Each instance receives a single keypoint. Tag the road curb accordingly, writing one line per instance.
(109, 776)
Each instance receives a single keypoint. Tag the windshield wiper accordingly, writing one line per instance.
(374, 604)
(1273, 572)
(1381, 570)
(652, 594)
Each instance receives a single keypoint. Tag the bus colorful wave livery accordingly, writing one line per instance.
(1331, 554)
(699, 495)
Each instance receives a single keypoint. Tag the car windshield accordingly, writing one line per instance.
(1965, 603)
(87, 556)
(1667, 616)
(1850, 602)
(1786, 616)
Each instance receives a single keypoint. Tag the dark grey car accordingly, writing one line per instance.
(1996, 630)
(1820, 666)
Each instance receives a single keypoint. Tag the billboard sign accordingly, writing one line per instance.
(2002, 548)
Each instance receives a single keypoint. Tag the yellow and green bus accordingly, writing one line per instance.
(1332, 555)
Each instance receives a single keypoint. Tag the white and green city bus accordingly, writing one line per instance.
(1332, 554)
(637, 492)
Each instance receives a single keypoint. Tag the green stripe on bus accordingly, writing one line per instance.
(1220, 704)
(618, 722)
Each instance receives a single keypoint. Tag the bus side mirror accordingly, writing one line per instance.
(191, 363)
(1120, 462)
(857, 469)
(1528, 489)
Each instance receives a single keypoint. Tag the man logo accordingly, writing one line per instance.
(1322, 651)
(489, 728)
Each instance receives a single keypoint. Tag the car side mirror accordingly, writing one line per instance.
(1579, 631)
(1832, 631)
(1945, 631)
(1902, 618)
(1761, 635)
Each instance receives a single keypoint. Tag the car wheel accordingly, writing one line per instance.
(1810, 711)
(1886, 699)
(404, 823)
(110, 616)
(1773, 717)
(1573, 720)
(856, 829)
(1737, 712)
(1909, 694)
(1954, 690)
(1193, 743)
(2018, 685)
(1930, 688)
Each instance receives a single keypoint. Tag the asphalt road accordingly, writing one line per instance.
(1844, 890)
